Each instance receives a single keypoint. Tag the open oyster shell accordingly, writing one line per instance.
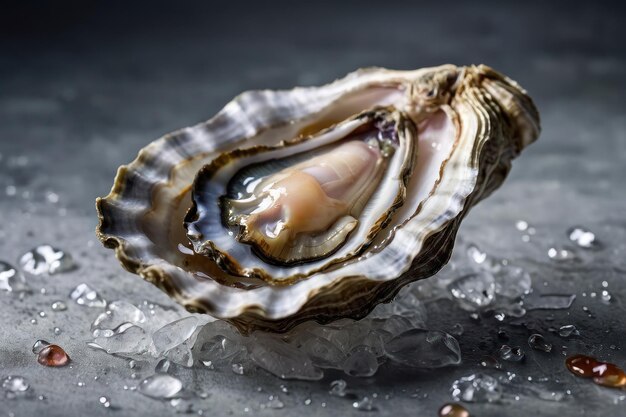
(458, 129)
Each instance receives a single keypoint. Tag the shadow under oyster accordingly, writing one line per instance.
(320, 202)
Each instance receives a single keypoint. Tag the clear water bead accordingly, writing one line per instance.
(39, 345)
(104, 401)
(476, 388)
(521, 225)
(84, 295)
(58, 306)
(11, 280)
(582, 237)
(511, 353)
(475, 254)
(160, 386)
(46, 259)
(15, 384)
(424, 349)
(561, 255)
(568, 330)
(538, 342)
(364, 404)
(274, 403)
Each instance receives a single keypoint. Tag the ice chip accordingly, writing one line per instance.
(424, 349)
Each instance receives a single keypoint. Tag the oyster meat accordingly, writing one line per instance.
(319, 202)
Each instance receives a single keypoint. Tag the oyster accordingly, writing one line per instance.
(316, 203)
(301, 200)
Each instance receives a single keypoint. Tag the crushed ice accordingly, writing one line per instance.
(393, 333)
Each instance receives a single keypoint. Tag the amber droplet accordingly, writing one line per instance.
(53, 355)
(581, 365)
(453, 410)
(603, 373)
(609, 375)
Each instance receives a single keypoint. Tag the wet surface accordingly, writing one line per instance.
(80, 95)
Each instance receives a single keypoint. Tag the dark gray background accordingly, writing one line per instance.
(84, 87)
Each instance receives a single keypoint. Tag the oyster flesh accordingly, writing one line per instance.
(319, 202)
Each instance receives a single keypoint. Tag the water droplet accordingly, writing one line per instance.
(583, 237)
(10, 190)
(53, 355)
(57, 331)
(475, 254)
(15, 384)
(84, 295)
(424, 349)
(132, 364)
(511, 353)
(364, 404)
(561, 255)
(45, 259)
(476, 388)
(274, 403)
(490, 362)
(52, 197)
(538, 342)
(42, 314)
(237, 368)
(453, 410)
(521, 225)
(59, 306)
(39, 345)
(307, 401)
(603, 373)
(80, 384)
(160, 386)
(338, 388)
(11, 280)
(33, 321)
(104, 401)
(568, 330)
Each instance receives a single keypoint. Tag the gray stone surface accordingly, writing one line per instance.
(83, 88)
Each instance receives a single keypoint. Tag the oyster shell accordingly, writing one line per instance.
(252, 248)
